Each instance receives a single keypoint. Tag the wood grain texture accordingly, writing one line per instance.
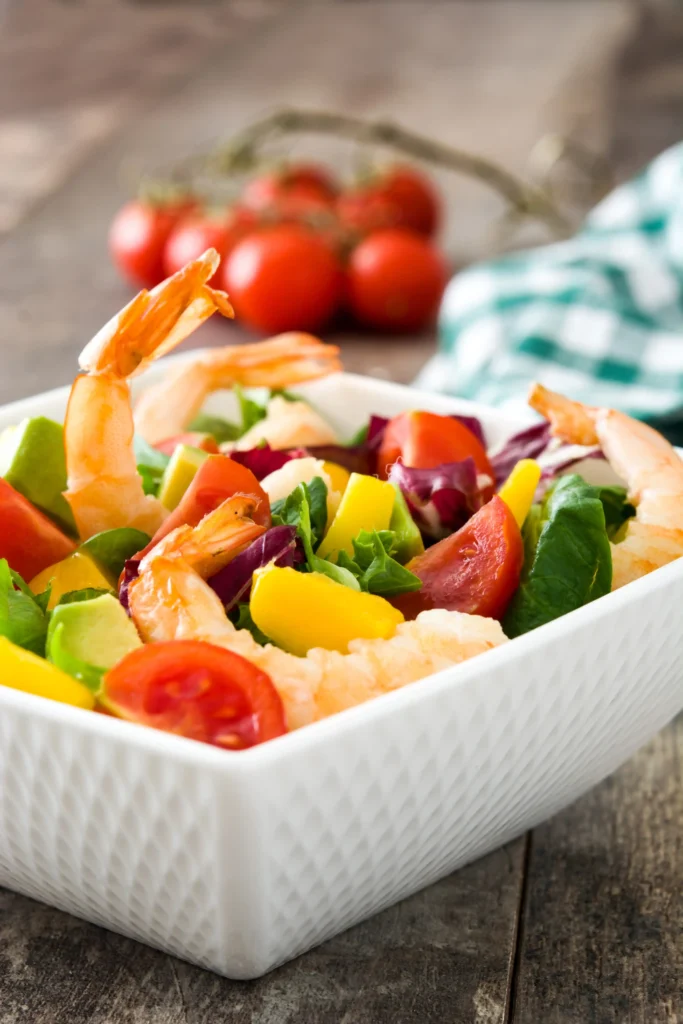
(442, 955)
(602, 929)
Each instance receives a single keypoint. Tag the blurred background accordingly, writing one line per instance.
(97, 94)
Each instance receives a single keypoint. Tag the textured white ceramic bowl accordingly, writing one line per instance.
(240, 861)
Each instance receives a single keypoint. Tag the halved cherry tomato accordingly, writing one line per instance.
(28, 540)
(423, 440)
(475, 570)
(217, 478)
(300, 183)
(197, 690)
(205, 442)
(137, 239)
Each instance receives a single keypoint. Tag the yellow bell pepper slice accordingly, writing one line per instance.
(339, 477)
(73, 573)
(299, 611)
(22, 670)
(518, 490)
(367, 504)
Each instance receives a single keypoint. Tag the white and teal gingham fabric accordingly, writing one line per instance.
(598, 317)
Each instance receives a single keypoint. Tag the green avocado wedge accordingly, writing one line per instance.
(86, 638)
(179, 474)
(32, 462)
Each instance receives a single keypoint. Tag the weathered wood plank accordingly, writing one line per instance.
(602, 925)
(442, 955)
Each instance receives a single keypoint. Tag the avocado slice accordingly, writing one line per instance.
(88, 637)
(32, 462)
(179, 474)
(408, 537)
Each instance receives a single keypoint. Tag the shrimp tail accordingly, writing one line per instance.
(570, 420)
(154, 322)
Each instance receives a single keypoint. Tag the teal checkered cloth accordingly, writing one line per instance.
(598, 317)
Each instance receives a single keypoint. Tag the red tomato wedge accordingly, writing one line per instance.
(424, 440)
(475, 570)
(196, 690)
(28, 540)
(217, 478)
(206, 442)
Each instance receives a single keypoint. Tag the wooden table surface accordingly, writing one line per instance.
(580, 921)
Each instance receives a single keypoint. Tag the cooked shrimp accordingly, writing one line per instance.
(651, 468)
(165, 409)
(104, 487)
(170, 601)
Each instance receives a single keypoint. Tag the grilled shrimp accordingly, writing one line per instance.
(104, 488)
(171, 601)
(645, 460)
(165, 409)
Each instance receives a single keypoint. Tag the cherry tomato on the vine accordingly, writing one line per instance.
(395, 280)
(197, 690)
(475, 570)
(284, 278)
(299, 183)
(401, 197)
(138, 237)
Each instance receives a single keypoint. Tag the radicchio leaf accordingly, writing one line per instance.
(442, 499)
(232, 584)
(131, 571)
(527, 444)
(356, 458)
(261, 461)
(473, 425)
(552, 471)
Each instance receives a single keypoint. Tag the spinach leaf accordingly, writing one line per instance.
(111, 549)
(617, 509)
(241, 618)
(220, 429)
(568, 561)
(22, 619)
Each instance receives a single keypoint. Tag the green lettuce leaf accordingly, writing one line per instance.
(306, 509)
(567, 562)
(22, 619)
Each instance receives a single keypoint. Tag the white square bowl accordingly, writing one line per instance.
(240, 861)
